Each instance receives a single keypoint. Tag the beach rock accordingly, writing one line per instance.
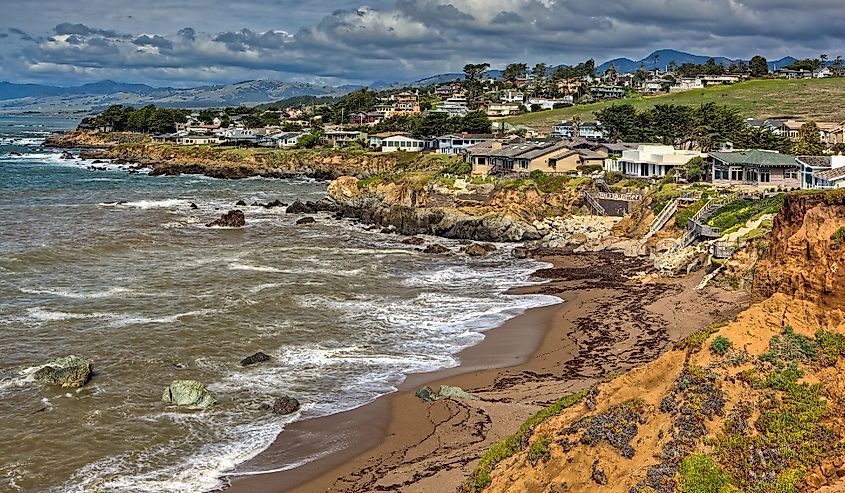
(67, 155)
(306, 220)
(275, 203)
(240, 203)
(299, 207)
(520, 252)
(188, 393)
(475, 250)
(231, 219)
(15, 154)
(258, 357)
(414, 240)
(98, 161)
(388, 230)
(285, 405)
(427, 394)
(194, 206)
(436, 248)
(488, 247)
(68, 372)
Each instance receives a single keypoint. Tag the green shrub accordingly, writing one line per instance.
(838, 237)
(832, 346)
(789, 347)
(720, 345)
(699, 474)
(738, 213)
(539, 450)
(480, 477)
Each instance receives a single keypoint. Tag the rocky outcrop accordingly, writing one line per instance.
(285, 405)
(506, 216)
(188, 393)
(231, 219)
(427, 394)
(804, 258)
(68, 372)
(306, 220)
(437, 249)
(81, 139)
(256, 358)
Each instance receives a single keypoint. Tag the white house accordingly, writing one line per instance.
(511, 96)
(650, 160)
(548, 104)
(454, 106)
(822, 172)
(503, 109)
(188, 140)
(402, 142)
(586, 130)
(458, 143)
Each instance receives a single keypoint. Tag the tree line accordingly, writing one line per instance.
(148, 119)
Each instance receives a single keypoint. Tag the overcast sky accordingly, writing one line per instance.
(194, 42)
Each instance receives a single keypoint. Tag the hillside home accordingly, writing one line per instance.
(821, 172)
(571, 87)
(370, 118)
(511, 96)
(458, 143)
(402, 142)
(574, 159)
(284, 140)
(829, 132)
(794, 74)
(649, 160)
(584, 130)
(754, 168)
(503, 109)
(404, 103)
(455, 106)
(550, 104)
(607, 92)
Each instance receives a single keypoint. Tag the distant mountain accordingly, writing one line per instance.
(98, 95)
(661, 58)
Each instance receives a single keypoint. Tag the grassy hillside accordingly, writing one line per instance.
(808, 99)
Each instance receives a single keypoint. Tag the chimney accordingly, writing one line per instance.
(496, 145)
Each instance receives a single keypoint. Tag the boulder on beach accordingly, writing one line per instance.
(414, 240)
(67, 155)
(194, 206)
(275, 203)
(231, 219)
(68, 372)
(427, 394)
(436, 248)
(474, 250)
(285, 405)
(306, 220)
(299, 207)
(240, 203)
(520, 252)
(188, 393)
(258, 357)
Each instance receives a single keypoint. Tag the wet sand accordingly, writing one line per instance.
(607, 324)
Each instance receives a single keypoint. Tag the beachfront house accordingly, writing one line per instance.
(343, 138)
(822, 172)
(189, 140)
(495, 157)
(754, 168)
(458, 143)
(607, 92)
(402, 142)
(649, 160)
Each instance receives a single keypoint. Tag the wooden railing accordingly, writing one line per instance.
(667, 213)
(594, 204)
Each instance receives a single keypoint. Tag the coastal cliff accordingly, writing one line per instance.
(750, 405)
(479, 212)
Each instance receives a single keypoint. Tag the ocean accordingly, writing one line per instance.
(119, 269)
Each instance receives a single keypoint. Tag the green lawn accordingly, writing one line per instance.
(815, 99)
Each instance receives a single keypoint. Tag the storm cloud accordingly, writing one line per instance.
(191, 42)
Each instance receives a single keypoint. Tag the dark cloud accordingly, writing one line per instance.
(392, 39)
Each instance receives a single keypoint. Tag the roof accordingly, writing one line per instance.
(468, 136)
(833, 174)
(386, 135)
(815, 161)
(760, 158)
(540, 151)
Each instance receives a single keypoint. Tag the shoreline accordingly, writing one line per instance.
(398, 442)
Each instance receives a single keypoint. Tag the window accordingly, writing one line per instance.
(765, 176)
(736, 174)
(721, 174)
(523, 164)
(790, 174)
(481, 161)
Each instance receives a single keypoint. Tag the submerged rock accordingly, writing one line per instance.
(258, 357)
(520, 252)
(194, 206)
(299, 208)
(414, 240)
(68, 372)
(285, 405)
(188, 393)
(436, 248)
(240, 203)
(67, 155)
(428, 394)
(306, 220)
(275, 203)
(231, 219)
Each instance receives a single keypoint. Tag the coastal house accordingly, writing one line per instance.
(239, 136)
(511, 96)
(458, 143)
(831, 133)
(369, 118)
(188, 140)
(575, 160)
(549, 104)
(584, 130)
(518, 157)
(649, 160)
(283, 140)
(343, 138)
(166, 138)
(794, 74)
(374, 140)
(402, 142)
(754, 168)
(822, 172)
(404, 103)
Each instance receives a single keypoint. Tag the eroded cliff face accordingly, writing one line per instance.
(503, 215)
(803, 258)
(752, 405)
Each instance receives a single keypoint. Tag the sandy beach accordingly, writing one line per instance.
(607, 324)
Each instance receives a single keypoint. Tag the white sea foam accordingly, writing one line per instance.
(82, 294)
(54, 316)
(148, 204)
